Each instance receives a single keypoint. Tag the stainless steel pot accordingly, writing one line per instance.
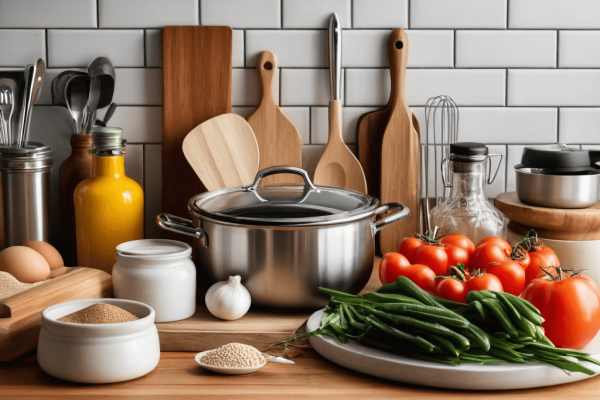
(558, 189)
(285, 241)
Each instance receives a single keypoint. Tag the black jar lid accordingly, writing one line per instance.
(468, 149)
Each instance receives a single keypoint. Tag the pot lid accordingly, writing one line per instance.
(283, 205)
(557, 156)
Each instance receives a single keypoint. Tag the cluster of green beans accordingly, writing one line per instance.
(401, 318)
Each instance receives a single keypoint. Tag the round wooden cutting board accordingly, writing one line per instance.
(550, 223)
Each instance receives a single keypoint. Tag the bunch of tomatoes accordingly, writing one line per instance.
(453, 266)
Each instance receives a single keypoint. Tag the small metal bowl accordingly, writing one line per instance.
(558, 189)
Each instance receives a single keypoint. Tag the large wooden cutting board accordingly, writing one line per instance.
(196, 87)
(400, 150)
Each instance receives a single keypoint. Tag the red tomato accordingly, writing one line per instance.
(434, 256)
(456, 255)
(489, 250)
(545, 257)
(484, 282)
(393, 265)
(524, 262)
(510, 273)
(408, 246)
(459, 241)
(450, 289)
(571, 308)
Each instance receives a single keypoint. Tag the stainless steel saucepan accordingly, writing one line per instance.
(285, 240)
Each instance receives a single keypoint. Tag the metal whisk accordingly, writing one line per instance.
(441, 124)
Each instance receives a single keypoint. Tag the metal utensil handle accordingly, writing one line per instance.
(334, 31)
(445, 177)
(184, 226)
(399, 211)
(283, 169)
(490, 181)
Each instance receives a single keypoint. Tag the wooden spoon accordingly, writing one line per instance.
(338, 167)
(223, 152)
(278, 139)
(400, 150)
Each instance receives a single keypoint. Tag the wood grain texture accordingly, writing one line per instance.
(278, 139)
(196, 87)
(338, 167)
(400, 150)
(550, 223)
(223, 152)
(20, 315)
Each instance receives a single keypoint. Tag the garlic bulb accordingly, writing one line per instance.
(228, 300)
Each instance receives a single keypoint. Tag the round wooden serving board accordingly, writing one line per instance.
(550, 223)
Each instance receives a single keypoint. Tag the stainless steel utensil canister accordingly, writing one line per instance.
(24, 198)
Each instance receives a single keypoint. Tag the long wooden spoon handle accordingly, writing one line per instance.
(335, 121)
(398, 58)
(267, 67)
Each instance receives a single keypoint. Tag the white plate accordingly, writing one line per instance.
(466, 377)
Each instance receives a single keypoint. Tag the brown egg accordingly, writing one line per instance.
(58, 272)
(47, 251)
(25, 264)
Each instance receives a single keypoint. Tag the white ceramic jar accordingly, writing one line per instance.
(98, 353)
(157, 272)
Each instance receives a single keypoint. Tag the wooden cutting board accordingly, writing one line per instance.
(258, 328)
(20, 315)
(196, 87)
(550, 223)
(400, 150)
(278, 139)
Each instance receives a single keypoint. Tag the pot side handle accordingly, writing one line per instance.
(398, 211)
(173, 223)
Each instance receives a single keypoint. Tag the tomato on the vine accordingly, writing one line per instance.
(570, 306)
(457, 285)
(393, 265)
(437, 254)
(511, 275)
(450, 288)
(409, 245)
(493, 254)
(484, 282)
(541, 258)
(459, 241)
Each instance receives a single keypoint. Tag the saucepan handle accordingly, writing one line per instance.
(398, 211)
(173, 223)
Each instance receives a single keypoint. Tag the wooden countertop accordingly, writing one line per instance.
(313, 377)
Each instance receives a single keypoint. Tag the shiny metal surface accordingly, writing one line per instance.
(334, 33)
(557, 191)
(8, 91)
(24, 199)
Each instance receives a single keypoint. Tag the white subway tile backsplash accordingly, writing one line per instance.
(48, 14)
(471, 87)
(153, 49)
(138, 86)
(152, 189)
(578, 49)
(76, 48)
(293, 48)
(147, 13)
(237, 48)
(305, 87)
(553, 87)
(531, 49)
(579, 125)
(380, 14)
(315, 13)
(134, 163)
(458, 14)
(507, 125)
(139, 124)
(245, 87)
(554, 14)
(311, 155)
(320, 123)
(19, 47)
(241, 13)
(368, 48)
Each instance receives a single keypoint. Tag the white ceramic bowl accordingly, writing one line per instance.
(98, 353)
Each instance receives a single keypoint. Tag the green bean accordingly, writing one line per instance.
(390, 330)
(474, 335)
(336, 293)
(501, 335)
(355, 324)
(488, 294)
(524, 302)
(389, 298)
(521, 323)
(496, 308)
(459, 341)
(421, 308)
(390, 288)
(474, 295)
(541, 336)
(356, 315)
(442, 343)
(505, 355)
(523, 307)
(476, 306)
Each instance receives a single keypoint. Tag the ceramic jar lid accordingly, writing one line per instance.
(154, 249)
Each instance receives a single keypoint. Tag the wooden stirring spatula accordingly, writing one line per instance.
(278, 139)
(223, 152)
(400, 150)
(338, 167)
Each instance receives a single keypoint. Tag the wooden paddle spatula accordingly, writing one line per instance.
(400, 150)
(338, 167)
(223, 152)
(278, 139)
